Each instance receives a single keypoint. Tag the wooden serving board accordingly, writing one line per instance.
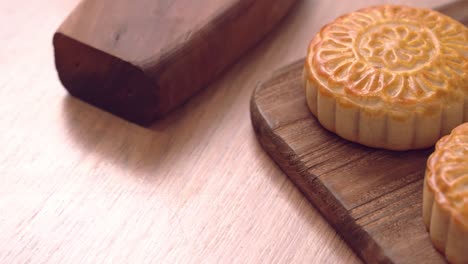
(373, 198)
(140, 59)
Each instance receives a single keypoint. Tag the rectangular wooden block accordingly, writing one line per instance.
(139, 59)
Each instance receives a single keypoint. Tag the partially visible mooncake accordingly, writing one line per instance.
(445, 195)
(391, 77)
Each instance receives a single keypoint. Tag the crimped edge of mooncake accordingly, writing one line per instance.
(388, 130)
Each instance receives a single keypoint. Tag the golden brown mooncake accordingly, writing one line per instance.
(445, 195)
(392, 77)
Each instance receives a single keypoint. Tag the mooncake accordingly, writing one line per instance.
(445, 195)
(392, 77)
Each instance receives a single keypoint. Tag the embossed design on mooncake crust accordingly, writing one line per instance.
(448, 172)
(445, 198)
(396, 52)
(397, 47)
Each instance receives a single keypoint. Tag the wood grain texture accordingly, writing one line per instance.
(139, 59)
(372, 197)
(79, 185)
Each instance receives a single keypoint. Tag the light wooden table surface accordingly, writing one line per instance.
(79, 185)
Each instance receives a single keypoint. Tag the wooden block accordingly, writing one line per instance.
(373, 198)
(139, 59)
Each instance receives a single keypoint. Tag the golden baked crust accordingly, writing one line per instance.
(445, 197)
(390, 62)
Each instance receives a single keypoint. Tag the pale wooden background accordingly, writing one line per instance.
(79, 185)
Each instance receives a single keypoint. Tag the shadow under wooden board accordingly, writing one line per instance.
(372, 197)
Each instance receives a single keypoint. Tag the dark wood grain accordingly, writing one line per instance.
(373, 198)
(141, 59)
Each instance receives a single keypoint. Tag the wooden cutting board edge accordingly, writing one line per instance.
(312, 188)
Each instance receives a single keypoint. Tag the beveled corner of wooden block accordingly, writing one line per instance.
(105, 81)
